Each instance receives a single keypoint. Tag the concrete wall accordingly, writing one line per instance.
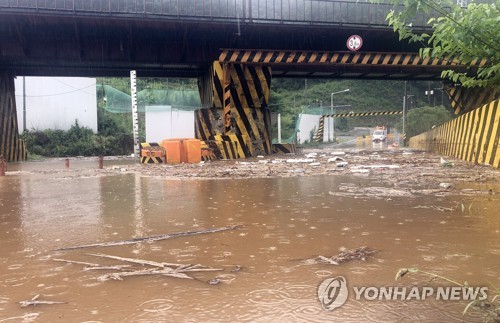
(163, 123)
(307, 123)
(473, 137)
(55, 102)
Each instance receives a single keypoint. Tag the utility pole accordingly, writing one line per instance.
(332, 112)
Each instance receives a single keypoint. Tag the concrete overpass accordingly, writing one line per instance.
(234, 48)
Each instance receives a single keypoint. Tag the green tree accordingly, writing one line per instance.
(466, 34)
(424, 119)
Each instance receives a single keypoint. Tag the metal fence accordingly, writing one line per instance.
(335, 12)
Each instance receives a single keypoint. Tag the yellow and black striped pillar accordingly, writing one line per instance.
(235, 104)
(11, 147)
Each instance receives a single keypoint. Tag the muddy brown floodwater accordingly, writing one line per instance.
(289, 211)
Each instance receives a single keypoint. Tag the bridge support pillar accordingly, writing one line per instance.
(11, 147)
(235, 117)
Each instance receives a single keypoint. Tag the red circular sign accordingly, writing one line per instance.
(354, 43)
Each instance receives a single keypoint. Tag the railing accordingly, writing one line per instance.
(335, 12)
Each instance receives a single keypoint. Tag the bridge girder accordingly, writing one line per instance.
(52, 45)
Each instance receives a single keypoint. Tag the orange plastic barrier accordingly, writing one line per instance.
(191, 151)
(182, 150)
(173, 149)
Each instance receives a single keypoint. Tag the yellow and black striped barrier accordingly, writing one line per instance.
(152, 153)
(12, 148)
(236, 103)
(232, 146)
(361, 114)
(318, 136)
(222, 149)
(472, 137)
(284, 148)
(290, 57)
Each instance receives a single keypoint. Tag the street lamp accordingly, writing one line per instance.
(331, 112)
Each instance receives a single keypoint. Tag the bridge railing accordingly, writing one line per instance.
(334, 12)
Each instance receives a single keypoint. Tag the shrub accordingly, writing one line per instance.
(77, 141)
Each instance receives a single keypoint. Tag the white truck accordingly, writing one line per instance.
(379, 134)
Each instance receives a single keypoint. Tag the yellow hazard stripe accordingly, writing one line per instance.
(314, 57)
(473, 137)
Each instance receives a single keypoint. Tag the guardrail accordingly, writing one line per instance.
(334, 12)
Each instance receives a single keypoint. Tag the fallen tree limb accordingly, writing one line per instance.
(92, 266)
(117, 267)
(164, 272)
(152, 238)
(89, 264)
(136, 261)
(154, 268)
(34, 302)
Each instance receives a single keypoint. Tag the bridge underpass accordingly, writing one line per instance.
(57, 38)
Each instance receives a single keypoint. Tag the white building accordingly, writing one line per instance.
(56, 102)
(163, 122)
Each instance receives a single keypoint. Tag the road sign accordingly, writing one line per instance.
(354, 43)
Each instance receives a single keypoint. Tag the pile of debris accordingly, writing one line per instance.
(346, 255)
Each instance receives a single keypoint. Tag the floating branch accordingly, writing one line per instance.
(136, 261)
(92, 266)
(152, 238)
(34, 301)
(165, 272)
(153, 268)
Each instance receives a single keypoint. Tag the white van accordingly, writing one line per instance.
(379, 135)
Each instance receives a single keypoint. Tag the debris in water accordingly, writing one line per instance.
(445, 163)
(236, 269)
(434, 207)
(361, 253)
(304, 160)
(446, 185)
(335, 159)
(147, 267)
(214, 281)
(34, 301)
(341, 164)
(153, 238)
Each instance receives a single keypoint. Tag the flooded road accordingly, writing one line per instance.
(265, 278)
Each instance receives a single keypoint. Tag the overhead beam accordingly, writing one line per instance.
(402, 63)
